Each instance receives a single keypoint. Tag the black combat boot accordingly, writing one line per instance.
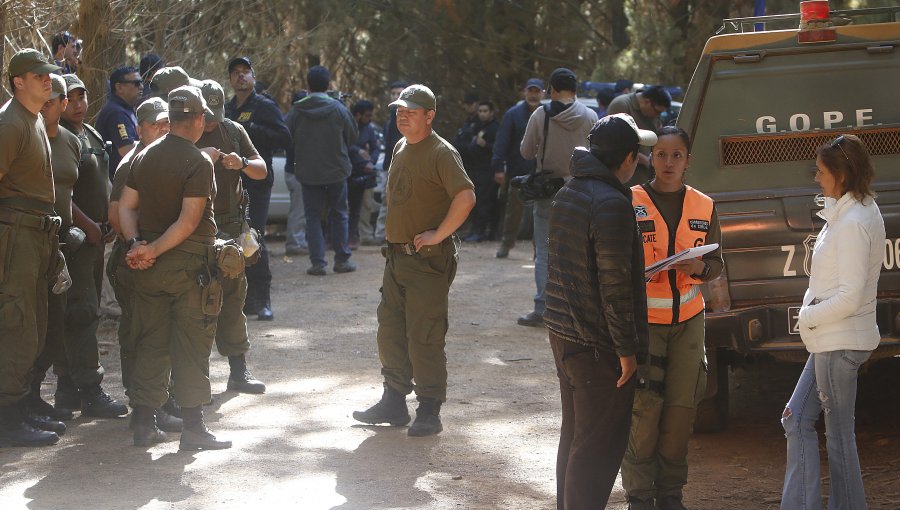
(670, 503)
(67, 395)
(97, 403)
(640, 504)
(391, 409)
(264, 313)
(195, 435)
(41, 407)
(145, 431)
(39, 421)
(428, 419)
(168, 423)
(15, 432)
(241, 380)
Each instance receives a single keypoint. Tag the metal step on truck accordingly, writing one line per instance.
(766, 93)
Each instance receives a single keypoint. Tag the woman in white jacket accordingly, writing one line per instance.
(837, 324)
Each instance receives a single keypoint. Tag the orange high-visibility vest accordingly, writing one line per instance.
(672, 296)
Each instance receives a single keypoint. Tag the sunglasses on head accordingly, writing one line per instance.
(838, 142)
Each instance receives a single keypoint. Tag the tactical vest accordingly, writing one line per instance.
(672, 296)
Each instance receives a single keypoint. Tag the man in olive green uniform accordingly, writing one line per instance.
(429, 197)
(166, 214)
(28, 251)
(228, 145)
(644, 106)
(153, 123)
(65, 153)
(79, 382)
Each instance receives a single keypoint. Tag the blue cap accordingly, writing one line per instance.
(534, 82)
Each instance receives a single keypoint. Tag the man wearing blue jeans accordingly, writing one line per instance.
(552, 141)
(323, 130)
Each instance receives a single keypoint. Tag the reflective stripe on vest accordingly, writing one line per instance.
(691, 231)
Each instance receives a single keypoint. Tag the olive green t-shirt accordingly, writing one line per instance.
(229, 189)
(122, 172)
(91, 192)
(24, 155)
(166, 172)
(423, 180)
(66, 149)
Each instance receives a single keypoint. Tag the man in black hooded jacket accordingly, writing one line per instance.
(596, 310)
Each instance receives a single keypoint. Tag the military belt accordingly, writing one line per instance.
(227, 219)
(404, 248)
(42, 223)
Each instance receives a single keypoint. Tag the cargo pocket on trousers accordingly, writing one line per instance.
(211, 298)
(7, 239)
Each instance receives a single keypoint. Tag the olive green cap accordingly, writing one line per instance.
(73, 82)
(152, 110)
(416, 96)
(30, 60)
(58, 84)
(188, 99)
(215, 100)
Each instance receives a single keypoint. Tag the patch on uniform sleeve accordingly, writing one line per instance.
(647, 226)
(245, 116)
(123, 133)
(699, 225)
(640, 211)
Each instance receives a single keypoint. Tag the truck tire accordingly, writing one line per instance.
(712, 412)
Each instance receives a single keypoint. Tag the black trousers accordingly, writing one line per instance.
(596, 419)
(259, 276)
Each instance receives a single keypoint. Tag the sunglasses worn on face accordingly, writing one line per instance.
(136, 83)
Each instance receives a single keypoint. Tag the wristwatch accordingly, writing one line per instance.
(129, 243)
(703, 274)
(245, 162)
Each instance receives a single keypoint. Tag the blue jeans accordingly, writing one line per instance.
(315, 200)
(541, 211)
(826, 386)
(295, 237)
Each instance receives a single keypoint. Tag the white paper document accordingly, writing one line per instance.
(666, 263)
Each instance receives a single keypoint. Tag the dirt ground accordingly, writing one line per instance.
(297, 446)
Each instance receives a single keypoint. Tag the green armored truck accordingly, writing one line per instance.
(758, 106)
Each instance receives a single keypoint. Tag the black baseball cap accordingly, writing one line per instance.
(239, 61)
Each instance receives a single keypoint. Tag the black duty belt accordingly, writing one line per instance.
(42, 223)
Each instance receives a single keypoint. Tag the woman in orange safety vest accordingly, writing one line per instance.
(671, 381)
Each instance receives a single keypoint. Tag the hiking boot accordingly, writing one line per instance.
(640, 504)
(145, 431)
(428, 420)
(532, 320)
(40, 422)
(316, 270)
(669, 503)
(241, 380)
(344, 267)
(195, 435)
(15, 432)
(67, 396)
(391, 409)
(98, 404)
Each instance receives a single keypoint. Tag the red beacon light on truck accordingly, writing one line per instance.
(815, 23)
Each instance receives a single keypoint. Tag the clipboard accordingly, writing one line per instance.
(667, 263)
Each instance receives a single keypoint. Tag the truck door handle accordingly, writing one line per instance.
(881, 49)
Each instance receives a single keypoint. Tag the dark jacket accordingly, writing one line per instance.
(391, 137)
(509, 137)
(264, 123)
(596, 295)
(480, 157)
(323, 132)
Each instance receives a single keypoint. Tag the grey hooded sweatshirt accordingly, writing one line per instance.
(568, 129)
(322, 130)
